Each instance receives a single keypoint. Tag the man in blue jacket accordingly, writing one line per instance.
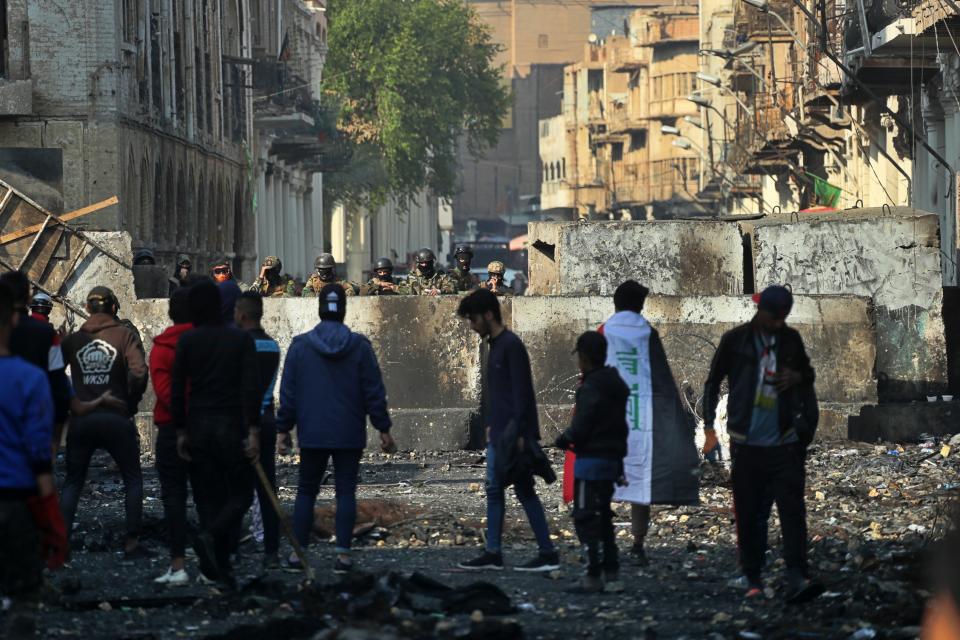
(333, 362)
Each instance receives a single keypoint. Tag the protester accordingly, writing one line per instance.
(41, 306)
(230, 289)
(105, 357)
(511, 405)
(598, 433)
(38, 343)
(181, 273)
(342, 363)
(248, 314)
(217, 426)
(661, 462)
(172, 471)
(771, 415)
(31, 526)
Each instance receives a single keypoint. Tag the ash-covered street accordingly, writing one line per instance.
(873, 509)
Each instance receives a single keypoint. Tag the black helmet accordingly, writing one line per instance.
(383, 263)
(41, 303)
(325, 261)
(425, 255)
(144, 257)
(463, 248)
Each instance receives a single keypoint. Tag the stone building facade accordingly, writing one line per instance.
(145, 99)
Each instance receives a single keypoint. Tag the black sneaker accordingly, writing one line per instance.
(139, 552)
(543, 563)
(271, 562)
(342, 568)
(800, 590)
(203, 546)
(639, 555)
(487, 562)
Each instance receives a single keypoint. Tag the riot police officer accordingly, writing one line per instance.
(426, 280)
(326, 273)
(494, 281)
(382, 283)
(460, 274)
(270, 284)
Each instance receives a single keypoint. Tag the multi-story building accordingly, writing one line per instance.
(295, 133)
(144, 99)
(624, 146)
(537, 38)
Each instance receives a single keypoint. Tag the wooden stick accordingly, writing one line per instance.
(301, 555)
(72, 215)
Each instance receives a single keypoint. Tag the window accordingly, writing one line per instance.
(564, 169)
(638, 140)
(543, 41)
(616, 152)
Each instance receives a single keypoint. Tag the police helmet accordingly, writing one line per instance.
(496, 267)
(42, 303)
(383, 263)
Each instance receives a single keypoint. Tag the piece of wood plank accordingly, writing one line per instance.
(72, 215)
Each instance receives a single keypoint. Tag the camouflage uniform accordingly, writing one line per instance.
(465, 280)
(373, 288)
(315, 284)
(283, 289)
(418, 284)
(496, 268)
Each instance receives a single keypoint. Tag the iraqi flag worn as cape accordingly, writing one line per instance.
(662, 462)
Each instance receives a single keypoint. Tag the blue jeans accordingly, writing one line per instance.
(346, 470)
(496, 508)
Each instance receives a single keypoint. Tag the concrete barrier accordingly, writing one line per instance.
(431, 360)
(889, 255)
(837, 330)
(680, 258)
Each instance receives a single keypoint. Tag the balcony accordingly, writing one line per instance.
(626, 58)
(759, 26)
(625, 120)
(282, 100)
(671, 29)
(557, 194)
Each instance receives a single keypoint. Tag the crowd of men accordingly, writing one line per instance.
(426, 276)
(214, 373)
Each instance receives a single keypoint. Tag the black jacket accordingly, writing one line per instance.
(737, 360)
(599, 426)
(218, 365)
(514, 464)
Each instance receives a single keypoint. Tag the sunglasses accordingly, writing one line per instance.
(221, 271)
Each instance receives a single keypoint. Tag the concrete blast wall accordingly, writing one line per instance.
(677, 258)
(838, 332)
(431, 360)
(893, 258)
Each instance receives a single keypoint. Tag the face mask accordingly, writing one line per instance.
(385, 276)
(464, 263)
(326, 275)
(221, 275)
(426, 268)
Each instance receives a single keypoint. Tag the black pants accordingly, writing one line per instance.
(268, 460)
(222, 480)
(593, 520)
(174, 473)
(21, 569)
(117, 435)
(759, 472)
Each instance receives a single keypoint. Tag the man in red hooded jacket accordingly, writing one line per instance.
(171, 468)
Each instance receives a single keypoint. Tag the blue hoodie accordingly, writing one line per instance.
(331, 383)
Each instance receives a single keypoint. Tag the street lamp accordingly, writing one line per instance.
(693, 120)
(668, 130)
(683, 143)
(700, 101)
(709, 79)
(743, 49)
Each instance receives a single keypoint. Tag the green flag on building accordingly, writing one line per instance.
(827, 194)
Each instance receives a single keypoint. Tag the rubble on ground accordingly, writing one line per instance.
(873, 512)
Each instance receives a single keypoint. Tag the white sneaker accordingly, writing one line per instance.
(173, 578)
